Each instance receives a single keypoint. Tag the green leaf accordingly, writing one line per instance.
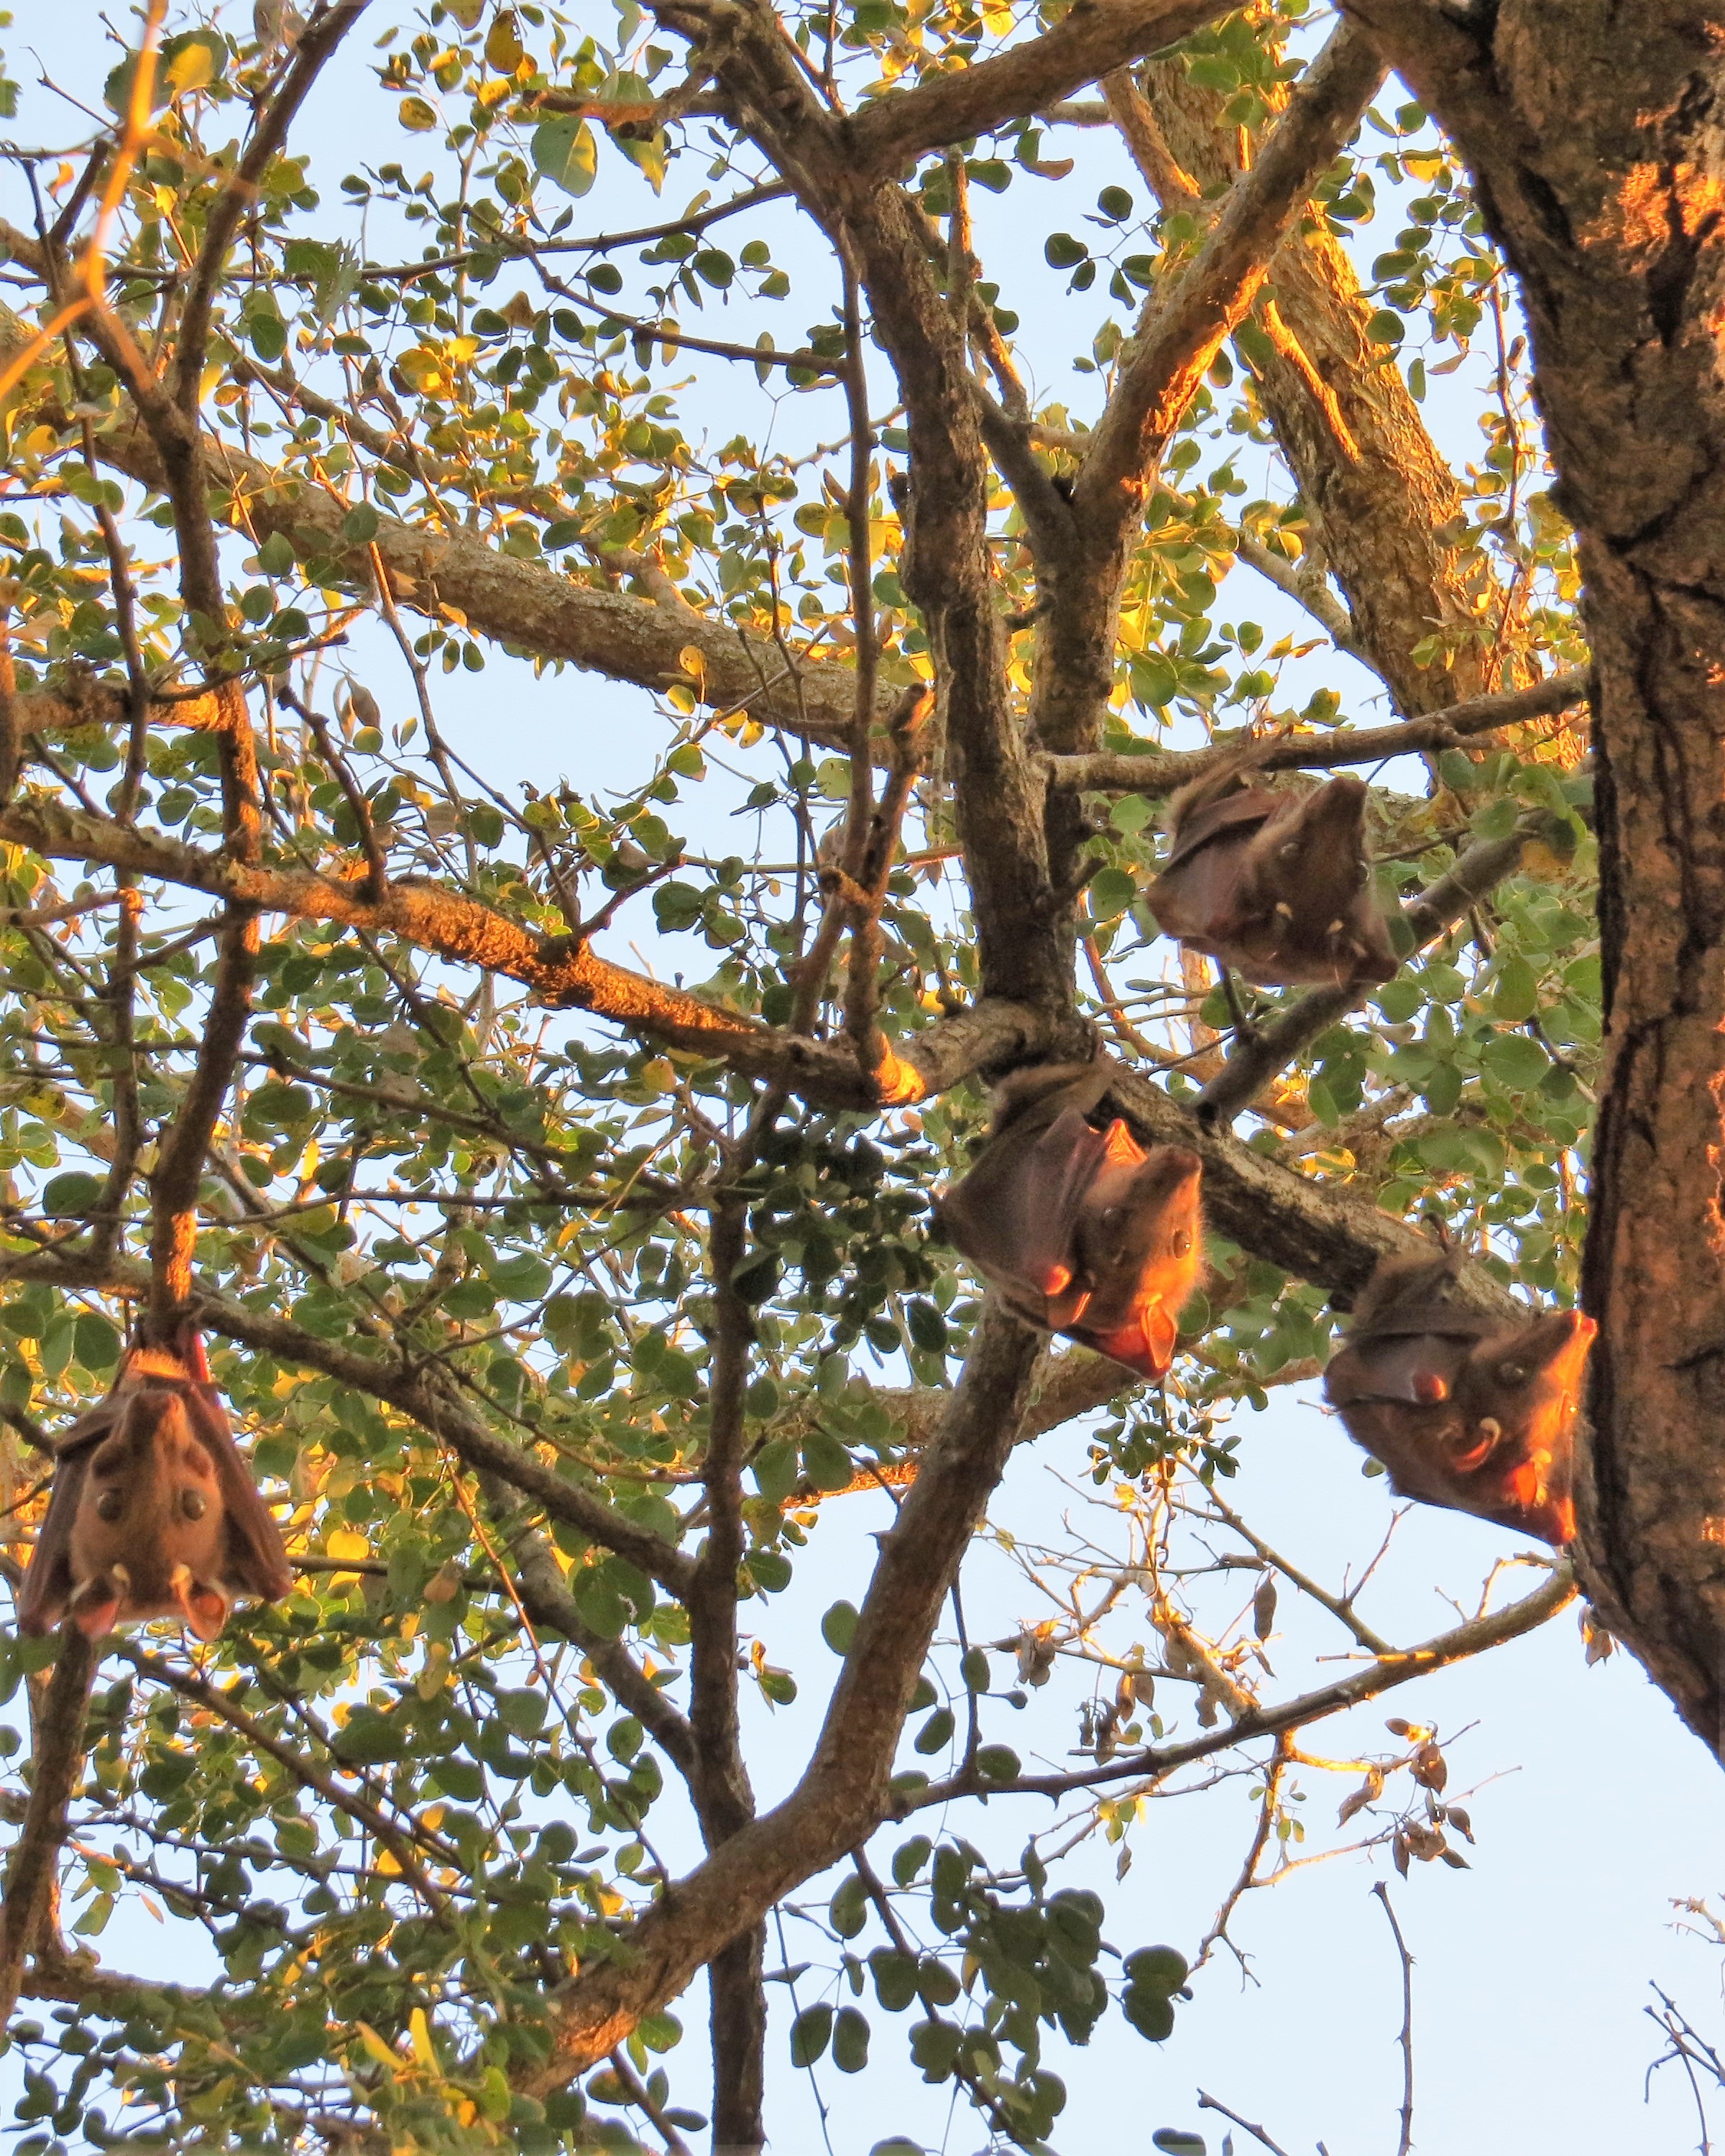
(368, 1738)
(809, 2033)
(825, 1462)
(850, 2040)
(70, 1194)
(359, 527)
(1174, 2141)
(1515, 993)
(895, 1975)
(927, 1327)
(848, 1911)
(1111, 892)
(909, 1858)
(775, 1468)
(1156, 1968)
(1496, 820)
(838, 1628)
(1149, 2013)
(98, 1342)
(937, 1732)
(564, 150)
(1517, 1063)
(1386, 328)
(934, 2046)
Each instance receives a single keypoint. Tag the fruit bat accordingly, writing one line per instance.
(1462, 1409)
(1082, 1231)
(1275, 886)
(154, 1512)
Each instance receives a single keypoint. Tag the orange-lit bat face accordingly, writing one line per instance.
(154, 1512)
(1139, 1242)
(151, 1529)
(1082, 1231)
(1276, 886)
(1464, 1413)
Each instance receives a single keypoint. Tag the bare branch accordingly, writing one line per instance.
(1157, 775)
(1406, 2039)
(1156, 1762)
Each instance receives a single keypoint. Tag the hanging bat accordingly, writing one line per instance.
(1082, 1231)
(154, 1512)
(1463, 1410)
(1275, 886)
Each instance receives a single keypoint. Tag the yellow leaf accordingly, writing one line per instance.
(419, 2035)
(693, 661)
(503, 43)
(378, 2049)
(345, 1543)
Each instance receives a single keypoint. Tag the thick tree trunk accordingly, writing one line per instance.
(1378, 493)
(1596, 136)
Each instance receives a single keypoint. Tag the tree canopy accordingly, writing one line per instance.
(547, 1162)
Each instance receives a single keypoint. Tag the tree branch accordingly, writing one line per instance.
(1156, 1762)
(316, 42)
(1157, 775)
(892, 132)
(59, 1752)
(844, 1790)
(1184, 330)
(526, 605)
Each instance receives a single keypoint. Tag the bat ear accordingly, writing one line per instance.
(1162, 1330)
(1560, 1338)
(190, 1346)
(202, 1602)
(95, 1605)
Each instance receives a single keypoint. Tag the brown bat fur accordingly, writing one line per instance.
(1082, 1231)
(1274, 885)
(1462, 1410)
(154, 1512)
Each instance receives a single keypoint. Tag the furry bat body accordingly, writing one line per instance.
(1275, 886)
(154, 1512)
(1081, 1230)
(1462, 1410)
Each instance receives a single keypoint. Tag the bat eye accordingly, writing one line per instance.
(111, 1504)
(1182, 1243)
(1289, 849)
(194, 1504)
(1513, 1373)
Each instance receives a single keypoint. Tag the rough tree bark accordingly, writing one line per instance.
(1597, 146)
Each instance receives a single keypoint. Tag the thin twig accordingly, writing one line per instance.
(1406, 2039)
(1209, 2103)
